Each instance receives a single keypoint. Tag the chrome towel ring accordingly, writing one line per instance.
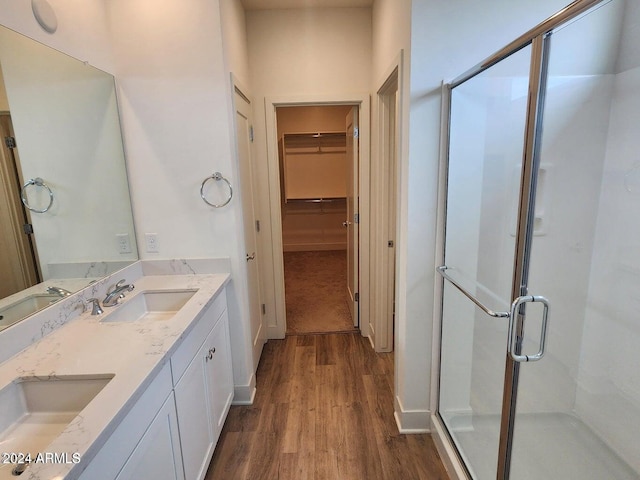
(217, 176)
(38, 182)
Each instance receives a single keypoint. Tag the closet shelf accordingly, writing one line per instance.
(320, 142)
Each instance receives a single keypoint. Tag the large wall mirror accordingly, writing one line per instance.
(65, 211)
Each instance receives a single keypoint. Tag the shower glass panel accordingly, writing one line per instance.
(578, 408)
(488, 114)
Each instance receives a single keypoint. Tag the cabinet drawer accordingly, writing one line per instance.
(187, 350)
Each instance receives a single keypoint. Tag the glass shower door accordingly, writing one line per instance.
(578, 408)
(488, 116)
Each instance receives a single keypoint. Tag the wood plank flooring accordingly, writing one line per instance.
(324, 411)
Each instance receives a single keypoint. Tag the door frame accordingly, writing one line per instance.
(277, 330)
(382, 325)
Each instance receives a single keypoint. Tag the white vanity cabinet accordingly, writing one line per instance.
(204, 390)
(150, 426)
(158, 454)
(172, 429)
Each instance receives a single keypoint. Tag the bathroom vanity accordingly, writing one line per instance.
(139, 391)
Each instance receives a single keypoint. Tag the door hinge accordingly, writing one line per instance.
(390, 244)
(251, 133)
(356, 297)
(356, 218)
(264, 309)
(28, 228)
(257, 225)
(10, 142)
(356, 132)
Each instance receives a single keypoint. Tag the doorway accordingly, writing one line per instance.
(276, 320)
(317, 183)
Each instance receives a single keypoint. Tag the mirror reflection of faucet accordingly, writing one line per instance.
(58, 291)
(116, 293)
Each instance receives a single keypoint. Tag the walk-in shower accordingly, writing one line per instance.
(540, 331)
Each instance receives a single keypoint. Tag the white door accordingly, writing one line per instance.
(244, 138)
(352, 213)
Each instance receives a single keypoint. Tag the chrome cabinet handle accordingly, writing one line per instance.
(210, 354)
(251, 257)
(346, 223)
(513, 334)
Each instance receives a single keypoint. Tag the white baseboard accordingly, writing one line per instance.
(275, 332)
(411, 421)
(244, 394)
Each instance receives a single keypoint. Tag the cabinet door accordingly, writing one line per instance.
(220, 376)
(158, 454)
(194, 416)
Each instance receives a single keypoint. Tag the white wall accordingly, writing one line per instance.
(309, 51)
(82, 28)
(234, 40)
(608, 394)
(301, 53)
(391, 36)
(176, 109)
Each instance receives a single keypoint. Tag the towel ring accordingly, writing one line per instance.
(217, 176)
(38, 182)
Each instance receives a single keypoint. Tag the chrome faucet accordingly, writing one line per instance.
(58, 291)
(116, 293)
(95, 304)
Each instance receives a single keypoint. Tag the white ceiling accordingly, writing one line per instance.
(273, 4)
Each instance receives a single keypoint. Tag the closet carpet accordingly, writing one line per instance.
(316, 292)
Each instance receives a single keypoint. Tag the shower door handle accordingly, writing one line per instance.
(513, 330)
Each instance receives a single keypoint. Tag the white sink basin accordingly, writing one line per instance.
(33, 411)
(150, 305)
(25, 307)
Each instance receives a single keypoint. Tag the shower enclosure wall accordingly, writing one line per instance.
(540, 332)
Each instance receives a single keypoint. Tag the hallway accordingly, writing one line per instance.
(323, 410)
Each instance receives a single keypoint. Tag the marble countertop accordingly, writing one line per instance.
(134, 352)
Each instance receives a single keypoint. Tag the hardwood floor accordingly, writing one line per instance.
(323, 410)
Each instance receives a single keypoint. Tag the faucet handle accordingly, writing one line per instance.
(96, 308)
(113, 288)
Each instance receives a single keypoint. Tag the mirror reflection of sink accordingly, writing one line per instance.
(34, 411)
(150, 305)
(24, 307)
